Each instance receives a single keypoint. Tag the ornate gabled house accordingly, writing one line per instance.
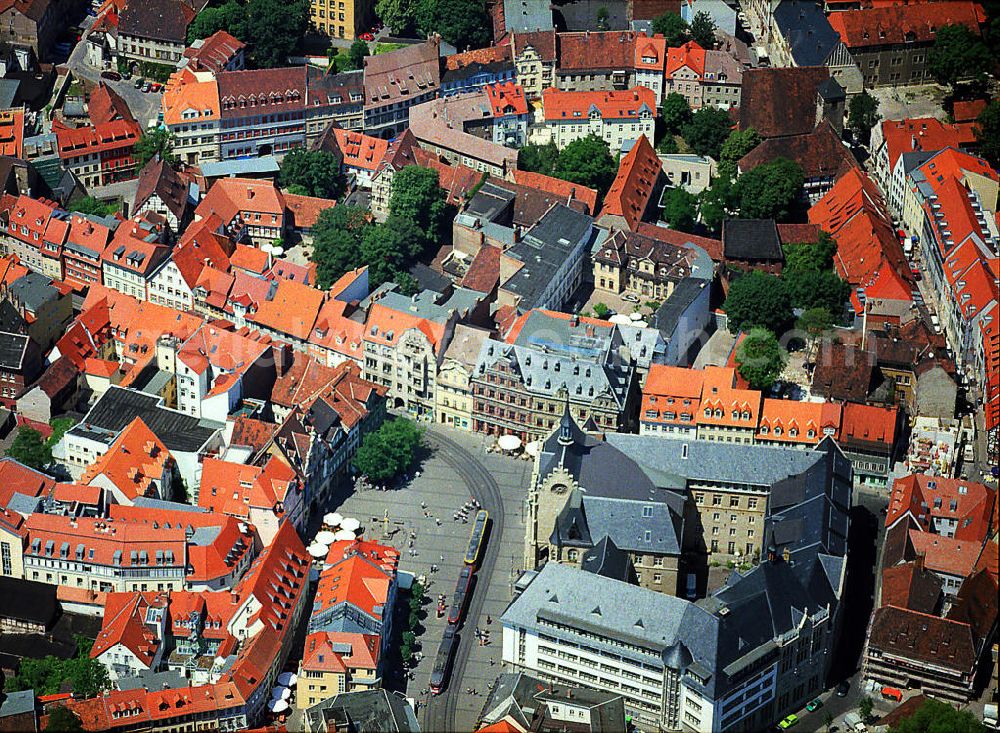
(573, 509)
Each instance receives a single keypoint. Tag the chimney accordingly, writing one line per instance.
(282, 358)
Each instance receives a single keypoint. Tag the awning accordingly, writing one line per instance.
(509, 442)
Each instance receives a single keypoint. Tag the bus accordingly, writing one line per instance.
(442, 663)
(463, 589)
(477, 539)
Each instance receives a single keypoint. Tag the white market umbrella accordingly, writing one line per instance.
(288, 679)
(332, 519)
(636, 317)
(277, 706)
(280, 693)
(345, 536)
(533, 448)
(509, 442)
(350, 525)
(317, 550)
(325, 537)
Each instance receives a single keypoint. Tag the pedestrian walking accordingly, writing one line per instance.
(438, 522)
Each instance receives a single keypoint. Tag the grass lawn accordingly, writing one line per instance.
(59, 427)
(387, 47)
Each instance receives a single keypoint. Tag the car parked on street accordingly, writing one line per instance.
(788, 722)
(111, 75)
(813, 705)
(139, 82)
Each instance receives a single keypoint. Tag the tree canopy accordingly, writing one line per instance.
(538, 158)
(987, 131)
(93, 206)
(356, 54)
(63, 720)
(758, 300)
(958, 54)
(680, 209)
(46, 675)
(587, 161)
(812, 289)
(675, 112)
(465, 24)
(716, 202)
(152, 143)
(707, 130)
(769, 190)
(30, 448)
(862, 116)
(935, 716)
(416, 195)
(673, 28)
(270, 28)
(760, 359)
(337, 237)
(738, 144)
(809, 256)
(398, 15)
(702, 30)
(389, 248)
(317, 172)
(387, 452)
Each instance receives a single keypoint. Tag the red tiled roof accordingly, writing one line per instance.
(596, 50)
(103, 137)
(125, 623)
(214, 52)
(484, 270)
(820, 153)
(234, 488)
(305, 210)
(560, 106)
(638, 173)
(791, 421)
(488, 55)
(506, 99)
(968, 504)
(133, 463)
(925, 133)
(12, 132)
(780, 101)
(360, 150)
(292, 310)
(543, 42)
(106, 105)
(558, 187)
(908, 23)
(358, 573)
(868, 423)
(324, 651)
(690, 55)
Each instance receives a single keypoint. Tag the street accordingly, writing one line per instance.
(457, 469)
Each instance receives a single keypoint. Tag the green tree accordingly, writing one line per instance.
(416, 195)
(388, 248)
(273, 29)
(673, 27)
(958, 54)
(601, 310)
(813, 289)
(225, 17)
(463, 23)
(30, 449)
(703, 29)
(46, 675)
(865, 706)
(816, 256)
(935, 716)
(357, 53)
(862, 116)
(155, 142)
(397, 14)
(675, 112)
(538, 158)
(680, 209)
(337, 237)
(717, 202)
(602, 18)
(387, 452)
(738, 144)
(707, 130)
(668, 145)
(93, 206)
(815, 322)
(757, 299)
(63, 720)
(317, 172)
(987, 131)
(587, 161)
(769, 190)
(760, 359)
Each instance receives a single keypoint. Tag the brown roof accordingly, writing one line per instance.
(160, 178)
(59, 376)
(843, 372)
(819, 152)
(679, 239)
(799, 233)
(911, 586)
(402, 75)
(484, 270)
(249, 431)
(488, 55)
(106, 105)
(976, 604)
(921, 637)
(778, 102)
(161, 20)
(630, 192)
(544, 43)
(596, 50)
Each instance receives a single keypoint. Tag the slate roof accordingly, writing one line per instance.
(607, 559)
(751, 239)
(12, 350)
(805, 28)
(118, 407)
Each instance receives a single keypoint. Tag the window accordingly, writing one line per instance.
(647, 511)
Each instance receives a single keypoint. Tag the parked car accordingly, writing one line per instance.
(139, 82)
(146, 87)
(111, 75)
(813, 705)
(788, 722)
(156, 87)
(843, 688)
(367, 37)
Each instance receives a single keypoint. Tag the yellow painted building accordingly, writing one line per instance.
(341, 18)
